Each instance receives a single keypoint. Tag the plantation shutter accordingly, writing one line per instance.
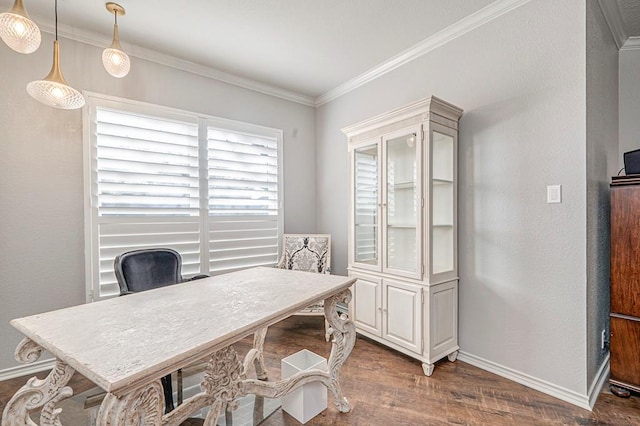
(243, 200)
(158, 177)
(366, 207)
(147, 189)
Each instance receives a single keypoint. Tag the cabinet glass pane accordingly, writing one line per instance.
(402, 203)
(366, 205)
(442, 208)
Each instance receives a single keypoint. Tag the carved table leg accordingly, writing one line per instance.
(222, 380)
(343, 333)
(258, 362)
(142, 406)
(38, 393)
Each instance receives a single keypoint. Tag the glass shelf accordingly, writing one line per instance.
(403, 185)
(439, 181)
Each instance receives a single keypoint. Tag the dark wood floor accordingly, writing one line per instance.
(388, 388)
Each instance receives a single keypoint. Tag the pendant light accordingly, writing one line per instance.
(18, 31)
(115, 61)
(53, 90)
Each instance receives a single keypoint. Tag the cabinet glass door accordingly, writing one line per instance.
(402, 203)
(443, 219)
(366, 220)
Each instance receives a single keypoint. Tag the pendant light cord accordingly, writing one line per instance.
(56, 15)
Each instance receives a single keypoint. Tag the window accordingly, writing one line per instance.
(157, 177)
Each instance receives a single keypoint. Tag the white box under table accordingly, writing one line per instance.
(308, 400)
(126, 345)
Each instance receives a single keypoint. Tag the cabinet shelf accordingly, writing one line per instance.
(401, 226)
(403, 185)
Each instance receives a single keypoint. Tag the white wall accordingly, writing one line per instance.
(521, 81)
(41, 170)
(602, 163)
(629, 102)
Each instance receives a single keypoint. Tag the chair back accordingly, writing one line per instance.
(141, 270)
(310, 252)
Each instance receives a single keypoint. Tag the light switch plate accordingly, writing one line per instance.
(554, 194)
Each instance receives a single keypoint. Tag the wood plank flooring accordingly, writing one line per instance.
(385, 387)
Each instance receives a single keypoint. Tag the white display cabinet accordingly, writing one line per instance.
(403, 229)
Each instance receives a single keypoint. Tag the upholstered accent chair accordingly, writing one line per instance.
(309, 253)
(146, 269)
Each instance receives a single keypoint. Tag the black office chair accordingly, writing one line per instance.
(146, 269)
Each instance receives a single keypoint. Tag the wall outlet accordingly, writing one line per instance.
(603, 338)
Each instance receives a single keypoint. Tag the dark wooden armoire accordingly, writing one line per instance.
(625, 285)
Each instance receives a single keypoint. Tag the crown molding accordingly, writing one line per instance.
(612, 15)
(461, 27)
(632, 43)
(95, 39)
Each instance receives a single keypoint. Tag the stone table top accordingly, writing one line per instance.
(127, 341)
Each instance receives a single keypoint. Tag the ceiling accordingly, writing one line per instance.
(305, 47)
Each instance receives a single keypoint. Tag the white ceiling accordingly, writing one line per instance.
(305, 47)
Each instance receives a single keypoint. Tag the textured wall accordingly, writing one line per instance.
(629, 103)
(41, 169)
(521, 81)
(602, 163)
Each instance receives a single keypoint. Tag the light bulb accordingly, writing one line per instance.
(19, 28)
(57, 92)
(18, 31)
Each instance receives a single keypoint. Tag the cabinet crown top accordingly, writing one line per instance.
(427, 106)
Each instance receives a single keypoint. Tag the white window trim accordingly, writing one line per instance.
(95, 100)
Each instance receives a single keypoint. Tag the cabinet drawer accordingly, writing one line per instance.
(625, 347)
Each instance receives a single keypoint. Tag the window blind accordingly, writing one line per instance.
(146, 166)
(366, 207)
(167, 178)
(243, 199)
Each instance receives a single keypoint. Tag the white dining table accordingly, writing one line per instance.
(125, 345)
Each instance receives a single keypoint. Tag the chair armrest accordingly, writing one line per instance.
(280, 264)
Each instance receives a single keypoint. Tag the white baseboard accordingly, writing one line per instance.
(601, 379)
(583, 401)
(27, 369)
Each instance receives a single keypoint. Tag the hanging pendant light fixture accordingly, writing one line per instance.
(18, 30)
(115, 61)
(53, 90)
